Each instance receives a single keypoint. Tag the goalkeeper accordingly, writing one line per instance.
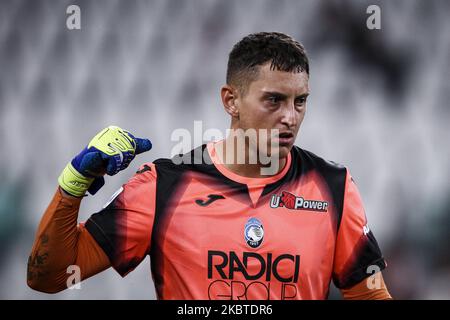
(214, 229)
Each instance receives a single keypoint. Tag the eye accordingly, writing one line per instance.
(300, 101)
(274, 100)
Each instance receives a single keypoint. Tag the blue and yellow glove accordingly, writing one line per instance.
(110, 151)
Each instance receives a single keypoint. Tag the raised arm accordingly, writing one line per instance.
(60, 241)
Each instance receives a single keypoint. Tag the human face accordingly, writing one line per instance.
(275, 100)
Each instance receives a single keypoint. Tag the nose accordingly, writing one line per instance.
(288, 116)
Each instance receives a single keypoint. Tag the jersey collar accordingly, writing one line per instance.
(241, 179)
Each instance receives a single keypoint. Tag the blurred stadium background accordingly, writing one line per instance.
(379, 104)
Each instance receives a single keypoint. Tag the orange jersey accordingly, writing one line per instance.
(212, 234)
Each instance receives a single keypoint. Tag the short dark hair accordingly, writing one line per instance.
(282, 51)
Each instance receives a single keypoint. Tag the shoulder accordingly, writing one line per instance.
(332, 173)
(195, 160)
(171, 169)
(146, 173)
(310, 161)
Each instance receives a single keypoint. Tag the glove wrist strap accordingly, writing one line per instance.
(74, 182)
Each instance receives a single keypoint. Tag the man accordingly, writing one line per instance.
(215, 228)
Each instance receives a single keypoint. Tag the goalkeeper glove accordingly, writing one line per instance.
(110, 151)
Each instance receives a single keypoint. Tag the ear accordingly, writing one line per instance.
(229, 99)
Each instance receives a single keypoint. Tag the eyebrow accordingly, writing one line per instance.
(282, 95)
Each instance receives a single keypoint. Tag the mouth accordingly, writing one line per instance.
(285, 138)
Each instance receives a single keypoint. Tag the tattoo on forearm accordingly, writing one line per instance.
(37, 262)
(44, 239)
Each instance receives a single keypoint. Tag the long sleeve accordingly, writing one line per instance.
(361, 291)
(61, 242)
(357, 250)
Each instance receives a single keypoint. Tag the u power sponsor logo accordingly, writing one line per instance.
(291, 201)
(251, 275)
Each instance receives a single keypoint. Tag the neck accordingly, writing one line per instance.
(246, 169)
